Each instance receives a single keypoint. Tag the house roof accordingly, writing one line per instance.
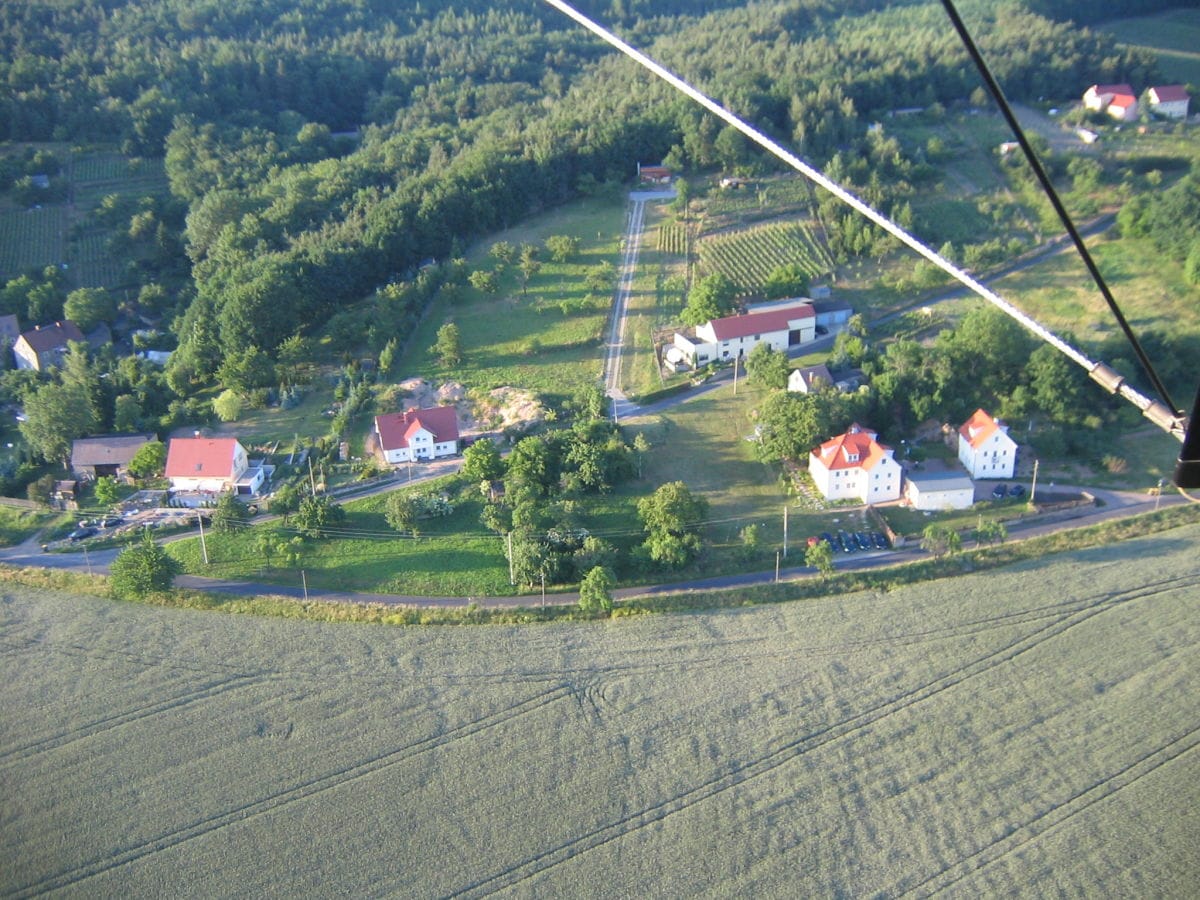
(856, 449)
(396, 429)
(810, 373)
(940, 481)
(199, 457)
(1169, 93)
(981, 426)
(1115, 90)
(108, 450)
(1123, 101)
(764, 322)
(50, 337)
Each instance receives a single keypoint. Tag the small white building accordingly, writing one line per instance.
(1170, 101)
(938, 491)
(418, 434)
(780, 325)
(855, 465)
(984, 447)
(809, 379)
(1118, 100)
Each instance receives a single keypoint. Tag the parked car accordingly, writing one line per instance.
(845, 542)
(84, 531)
(862, 540)
(879, 539)
(110, 521)
(999, 492)
(1017, 490)
(827, 538)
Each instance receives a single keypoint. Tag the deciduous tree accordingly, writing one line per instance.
(142, 568)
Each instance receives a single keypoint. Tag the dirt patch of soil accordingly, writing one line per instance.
(478, 412)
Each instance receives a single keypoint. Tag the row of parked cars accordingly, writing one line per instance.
(1000, 491)
(86, 529)
(852, 541)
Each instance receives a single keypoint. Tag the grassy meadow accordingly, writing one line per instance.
(1173, 36)
(1025, 731)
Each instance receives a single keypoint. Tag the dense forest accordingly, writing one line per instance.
(320, 151)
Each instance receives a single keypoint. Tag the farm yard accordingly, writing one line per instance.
(1030, 730)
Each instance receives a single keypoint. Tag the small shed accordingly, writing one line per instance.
(937, 491)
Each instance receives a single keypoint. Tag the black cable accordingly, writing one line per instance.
(1027, 148)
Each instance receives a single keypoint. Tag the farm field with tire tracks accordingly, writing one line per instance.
(1030, 729)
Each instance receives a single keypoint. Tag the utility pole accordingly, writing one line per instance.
(1033, 486)
(735, 368)
(512, 579)
(776, 566)
(543, 588)
(312, 484)
(304, 582)
(87, 560)
(785, 531)
(1158, 496)
(203, 545)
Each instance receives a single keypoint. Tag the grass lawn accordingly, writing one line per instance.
(1030, 730)
(525, 338)
(1173, 36)
(18, 524)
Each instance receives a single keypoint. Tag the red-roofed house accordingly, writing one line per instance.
(45, 345)
(211, 466)
(855, 465)
(418, 434)
(1118, 100)
(654, 174)
(1170, 100)
(783, 324)
(985, 448)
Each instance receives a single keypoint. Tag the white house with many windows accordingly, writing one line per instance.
(418, 434)
(855, 465)
(780, 325)
(1169, 100)
(985, 449)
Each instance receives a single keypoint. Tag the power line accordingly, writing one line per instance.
(1158, 412)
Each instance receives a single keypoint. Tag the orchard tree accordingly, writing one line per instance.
(767, 367)
(562, 247)
(449, 345)
(142, 568)
(482, 461)
(149, 460)
(820, 557)
(54, 416)
(285, 501)
(317, 515)
(484, 281)
(595, 591)
(529, 265)
(940, 540)
(106, 491)
(710, 298)
(402, 511)
(787, 280)
(671, 518)
(229, 515)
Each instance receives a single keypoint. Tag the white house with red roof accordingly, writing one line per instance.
(1118, 100)
(781, 324)
(984, 447)
(201, 465)
(1170, 101)
(855, 465)
(418, 434)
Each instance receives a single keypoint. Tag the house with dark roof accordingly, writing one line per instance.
(984, 447)
(855, 465)
(781, 325)
(809, 379)
(45, 345)
(418, 434)
(106, 456)
(1169, 100)
(204, 466)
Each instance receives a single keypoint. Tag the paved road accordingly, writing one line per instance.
(1115, 504)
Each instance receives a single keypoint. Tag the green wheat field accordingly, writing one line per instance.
(1032, 731)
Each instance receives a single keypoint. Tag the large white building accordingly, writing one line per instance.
(985, 449)
(1118, 100)
(780, 325)
(855, 465)
(1169, 100)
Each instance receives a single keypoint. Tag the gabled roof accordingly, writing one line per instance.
(981, 426)
(1169, 93)
(199, 457)
(1116, 90)
(50, 337)
(856, 449)
(765, 322)
(1123, 101)
(813, 373)
(108, 450)
(396, 429)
